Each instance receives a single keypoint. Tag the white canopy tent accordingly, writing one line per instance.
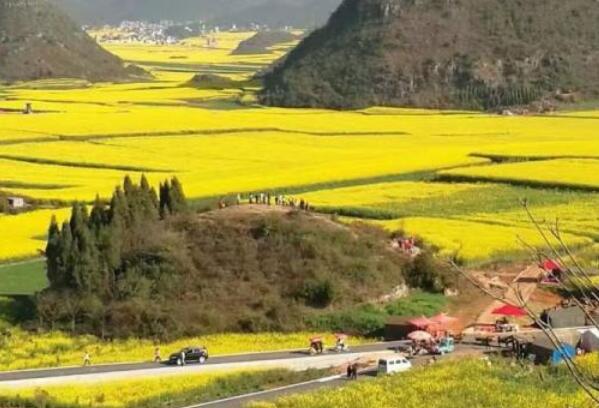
(589, 340)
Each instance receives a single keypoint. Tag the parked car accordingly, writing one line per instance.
(393, 364)
(189, 355)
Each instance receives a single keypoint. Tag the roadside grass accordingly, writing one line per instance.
(370, 319)
(159, 392)
(23, 278)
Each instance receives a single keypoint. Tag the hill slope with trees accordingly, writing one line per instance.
(479, 54)
(38, 41)
(261, 42)
(144, 265)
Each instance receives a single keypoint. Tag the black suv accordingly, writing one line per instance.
(189, 355)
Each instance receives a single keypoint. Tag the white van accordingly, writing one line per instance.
(393, 364)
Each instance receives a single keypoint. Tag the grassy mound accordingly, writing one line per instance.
(262, 41)
(212, 81)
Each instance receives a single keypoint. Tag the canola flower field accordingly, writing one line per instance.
(470, 383)
(155, 392)
(454, 178)
(479, 221)
(21, 350)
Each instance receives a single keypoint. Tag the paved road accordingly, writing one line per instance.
(120, 368)
(242, 401)
(331, 383)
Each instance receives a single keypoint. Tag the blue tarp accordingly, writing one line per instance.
(564, 351)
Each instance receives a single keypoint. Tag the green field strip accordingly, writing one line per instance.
(211, 132)
(102, 166)
(199, 67)
(33, 186)
(454, 178)
(23, 278)
(515, 158)
(192, 132)
(424, 176)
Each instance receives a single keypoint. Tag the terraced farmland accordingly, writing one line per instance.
(455, 178)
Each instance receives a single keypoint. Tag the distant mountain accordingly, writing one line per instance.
(262, 41)
(275, 13)
(37, 41)
(481, 54)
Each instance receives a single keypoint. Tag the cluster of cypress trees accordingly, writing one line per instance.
(85, 255)
(481, 96)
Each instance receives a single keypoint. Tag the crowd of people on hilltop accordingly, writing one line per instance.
(270, 199)
(279, 200)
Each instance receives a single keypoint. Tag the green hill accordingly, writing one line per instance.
(481, 54)
(38, 41)
(261, 42)
(145, 265)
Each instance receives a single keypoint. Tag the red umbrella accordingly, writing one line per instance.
(444, 319)
(422, 322)
(550, 265)
(509, 310)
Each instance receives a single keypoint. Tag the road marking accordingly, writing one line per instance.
(274, 390)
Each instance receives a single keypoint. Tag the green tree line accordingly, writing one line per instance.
(87, 256)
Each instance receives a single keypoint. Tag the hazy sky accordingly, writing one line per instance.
(272, 12)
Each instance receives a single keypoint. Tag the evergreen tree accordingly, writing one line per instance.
(98, 215)
(64, 276)
(102, 257)
(53, 253)
(148, 201)
(165, 200)
(178, 202)
(84, 251)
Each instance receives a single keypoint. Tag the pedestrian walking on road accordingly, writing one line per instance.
(350, 371)
(354, 369)
(87, 360)
(157, 358)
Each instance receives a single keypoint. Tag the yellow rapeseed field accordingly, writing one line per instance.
(24, 350)
(563, 172)
(23, 235)
(123, 393)
(471, 383)
(217, 164)
(380, 194)
(86, 137)
(475, 241)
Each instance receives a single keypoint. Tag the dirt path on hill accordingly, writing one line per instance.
(526, 283)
